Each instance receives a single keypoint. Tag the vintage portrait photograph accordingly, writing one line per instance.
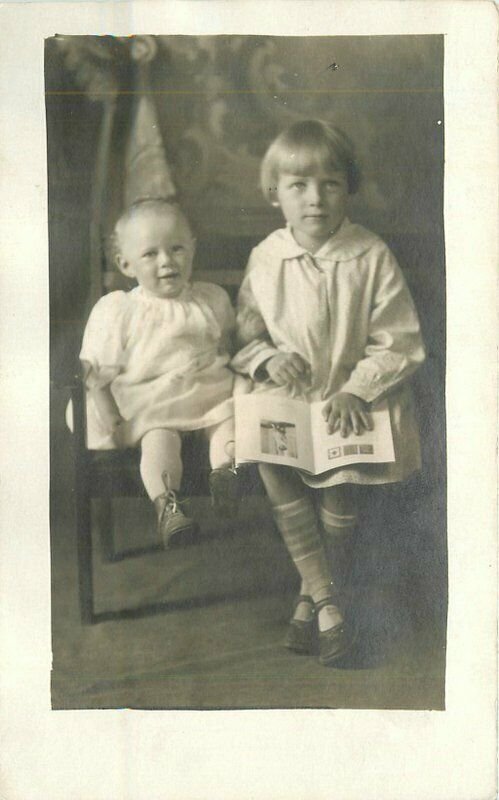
(256, 217)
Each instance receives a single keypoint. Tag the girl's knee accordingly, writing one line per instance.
(276, 472)
(269, 469)
(283, 485)
(341, 499)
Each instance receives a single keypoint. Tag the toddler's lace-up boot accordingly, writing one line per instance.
(174, 527)
(225, 489)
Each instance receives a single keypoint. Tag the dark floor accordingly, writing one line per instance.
(218, 611)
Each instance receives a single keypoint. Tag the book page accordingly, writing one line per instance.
(273, 429)
(369, 447)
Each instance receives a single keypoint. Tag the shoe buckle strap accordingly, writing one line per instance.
(233, 466)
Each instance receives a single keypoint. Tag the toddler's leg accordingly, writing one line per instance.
(338, 516)
(224, 483)
(160, 454)
(161, 471)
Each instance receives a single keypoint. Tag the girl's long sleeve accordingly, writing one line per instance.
(252, 335)
(394, 347)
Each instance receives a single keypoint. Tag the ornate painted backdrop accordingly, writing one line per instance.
(220, 100)
(210, 106)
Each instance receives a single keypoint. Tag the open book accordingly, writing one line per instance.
(284, 431)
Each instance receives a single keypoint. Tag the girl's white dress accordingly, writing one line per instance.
(348, 312)
(164, 359)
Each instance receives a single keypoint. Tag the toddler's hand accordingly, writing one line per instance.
(287, 368)
(347, 412)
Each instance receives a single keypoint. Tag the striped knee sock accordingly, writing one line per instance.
(339, 539)
(340, 525)
(297, 523)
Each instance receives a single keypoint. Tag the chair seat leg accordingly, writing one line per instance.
(104, 521)
(85, 566)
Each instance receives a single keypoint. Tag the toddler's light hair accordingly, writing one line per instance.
(169, 206)
(305, 146)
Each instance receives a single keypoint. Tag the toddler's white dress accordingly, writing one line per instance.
(165, 360)
(348, 312)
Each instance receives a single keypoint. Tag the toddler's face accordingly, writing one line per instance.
(157, 249)
(313, 204)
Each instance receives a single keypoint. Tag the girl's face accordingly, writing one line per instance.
(313, 204)
(157, 250)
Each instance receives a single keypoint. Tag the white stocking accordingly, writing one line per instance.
(160, 453)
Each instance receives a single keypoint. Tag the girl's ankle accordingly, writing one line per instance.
(328, 614)
(304, 609)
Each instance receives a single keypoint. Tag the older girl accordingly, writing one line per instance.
(325, 314)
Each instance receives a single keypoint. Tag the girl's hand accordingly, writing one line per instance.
(287, 368)
(347, 412)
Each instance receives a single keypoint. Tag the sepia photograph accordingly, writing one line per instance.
(248, 467)
(245, 214)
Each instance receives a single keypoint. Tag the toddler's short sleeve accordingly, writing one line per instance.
(219, 302)
(222, 313)
(102, 348)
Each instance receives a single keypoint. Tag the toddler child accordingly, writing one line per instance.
(156, 362)
(324, 313)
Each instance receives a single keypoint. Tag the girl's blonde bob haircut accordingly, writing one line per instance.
(305, 147)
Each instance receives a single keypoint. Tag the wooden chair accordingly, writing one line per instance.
(101, 475)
